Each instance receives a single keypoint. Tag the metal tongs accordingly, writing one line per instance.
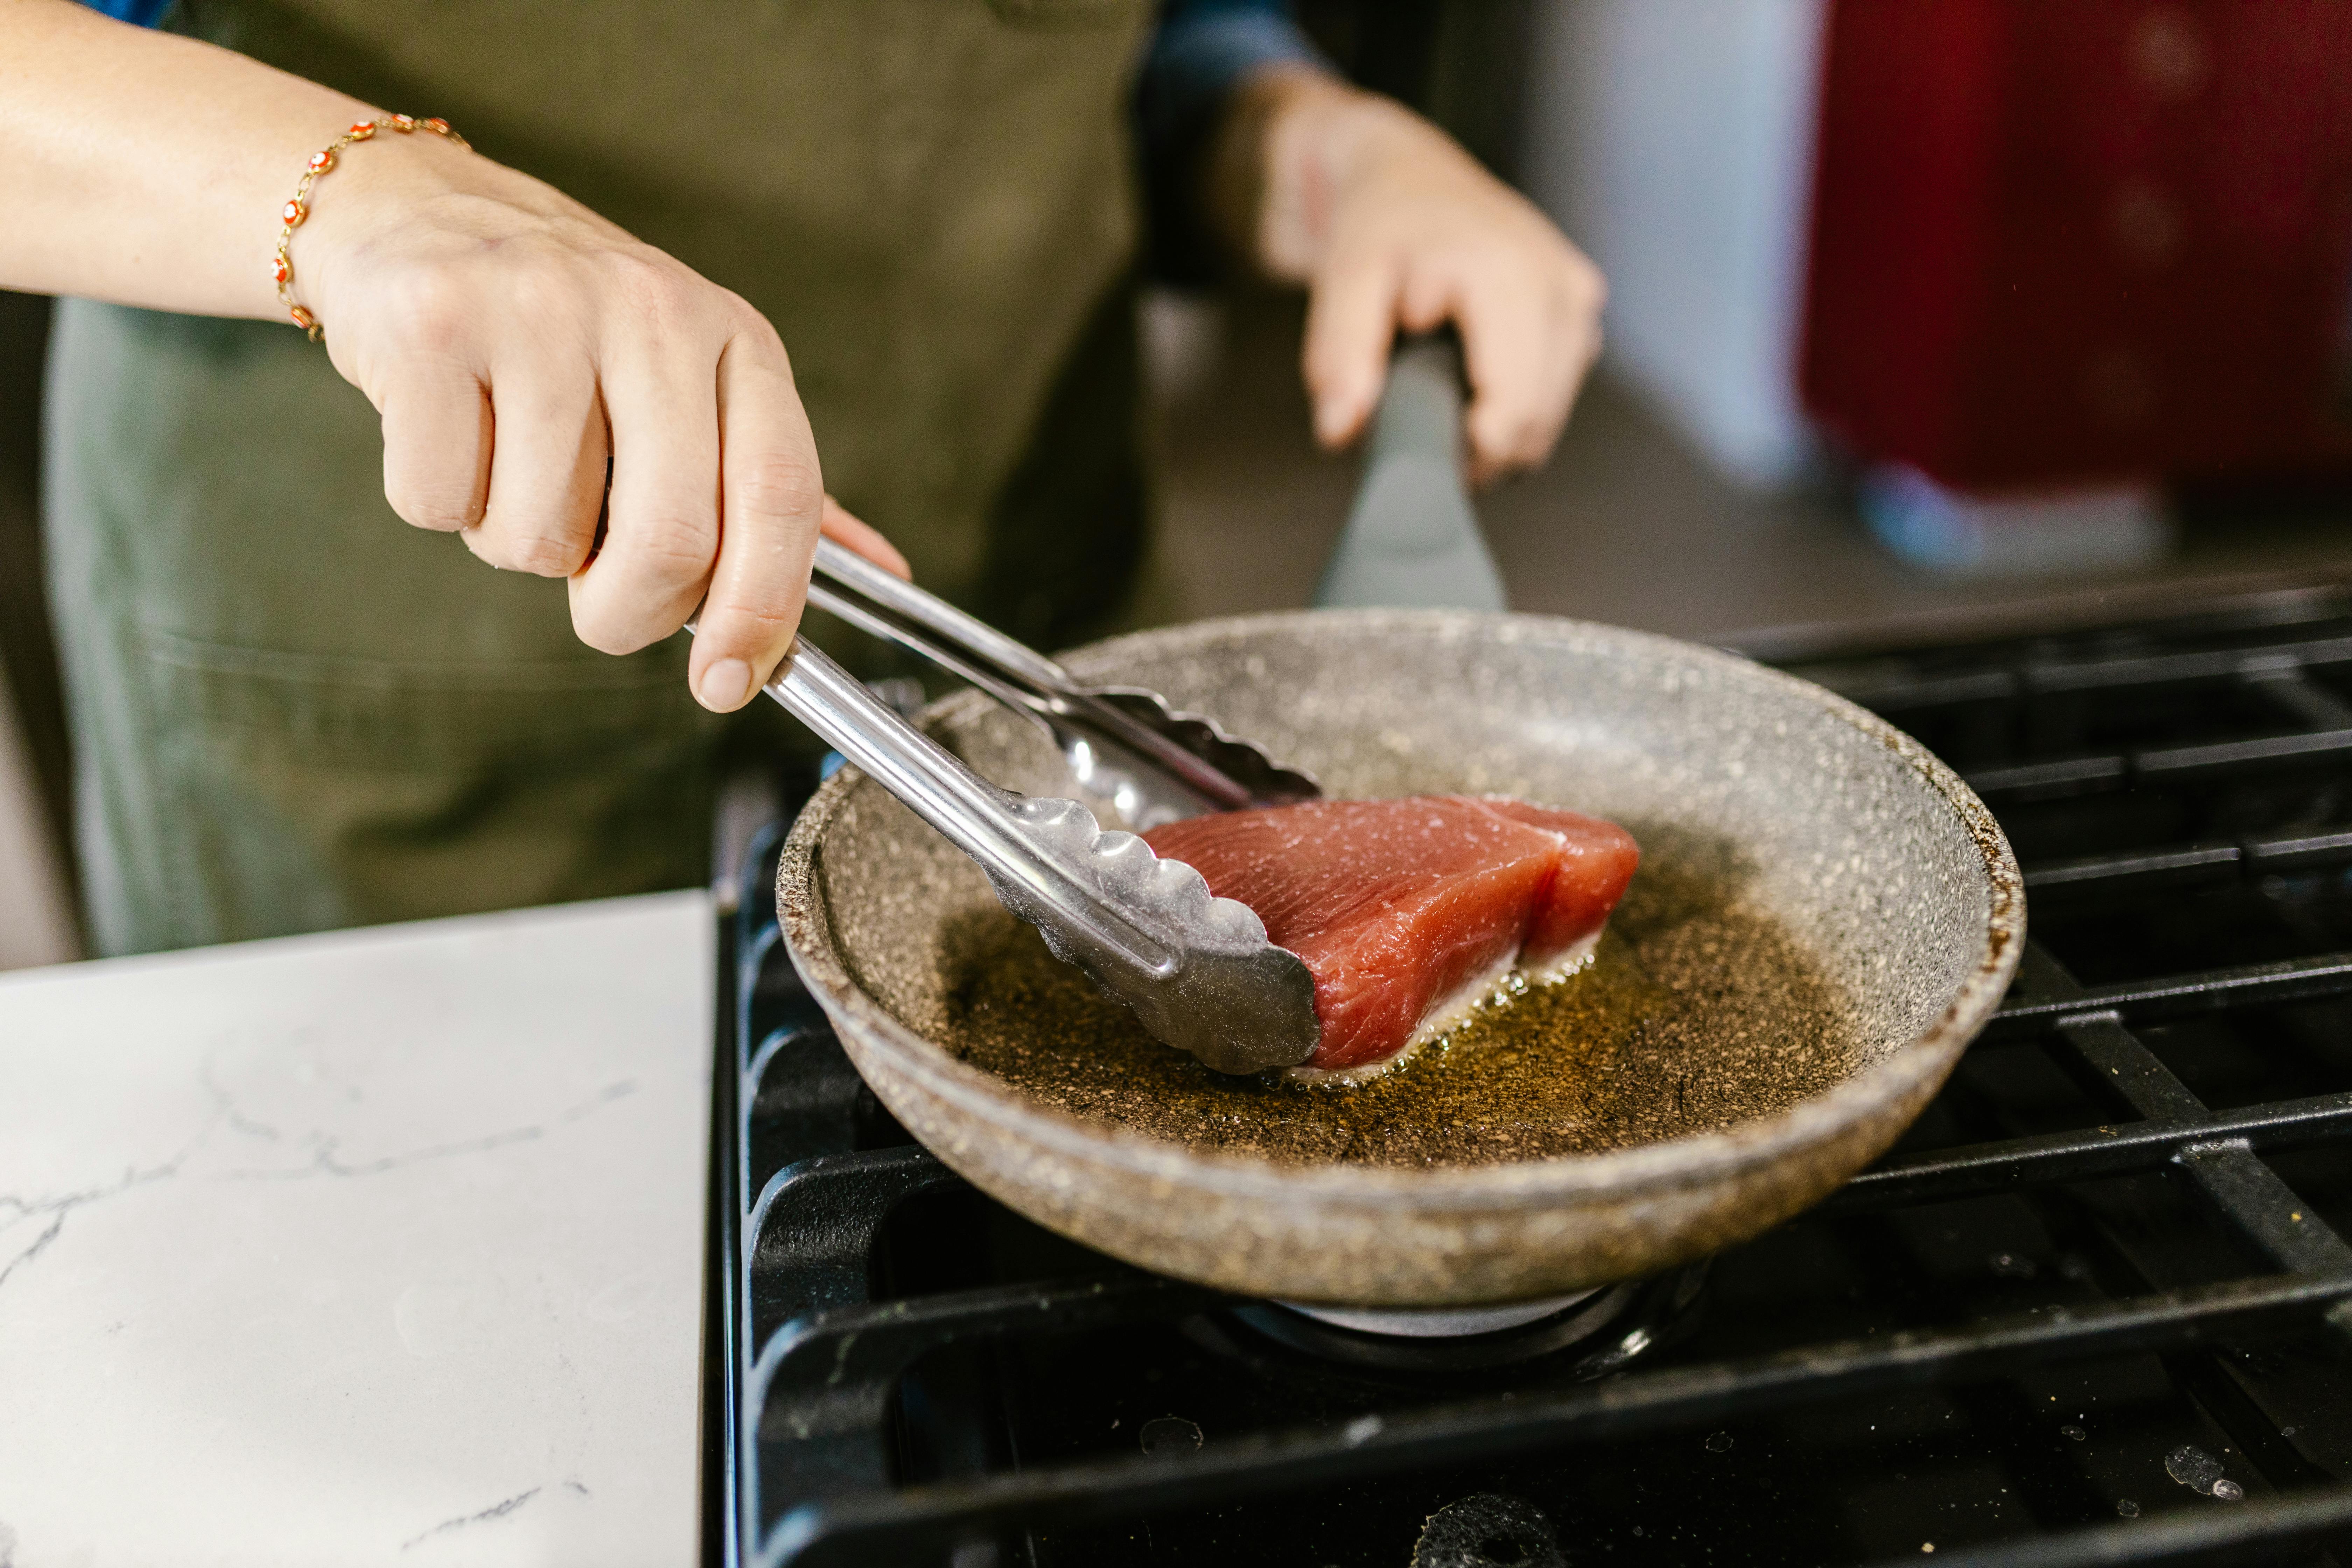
(1197, 970)
(1123, 744)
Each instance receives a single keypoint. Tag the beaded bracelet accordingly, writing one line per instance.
(281, 270)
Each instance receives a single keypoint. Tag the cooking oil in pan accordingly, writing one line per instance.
(1696, 1013)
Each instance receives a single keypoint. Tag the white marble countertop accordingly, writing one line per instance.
(381, 1247)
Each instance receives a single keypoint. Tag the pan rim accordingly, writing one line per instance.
(809, 938)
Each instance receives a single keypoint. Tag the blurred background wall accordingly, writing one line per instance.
(1674, 140)
(2040, 219)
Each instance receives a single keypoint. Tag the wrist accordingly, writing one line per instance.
(368, 189)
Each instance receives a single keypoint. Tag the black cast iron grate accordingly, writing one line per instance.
(2095, 1308)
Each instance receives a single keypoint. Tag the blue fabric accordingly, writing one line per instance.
(138, 12)
(1201, 49)
(1200, 52)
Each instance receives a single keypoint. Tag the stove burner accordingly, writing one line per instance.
(1611, 1324)
(1442, 1323)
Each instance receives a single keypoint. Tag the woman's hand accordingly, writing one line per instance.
(1389, 224)
(517, 344)
(514, 343)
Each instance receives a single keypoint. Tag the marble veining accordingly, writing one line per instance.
(380, 1247)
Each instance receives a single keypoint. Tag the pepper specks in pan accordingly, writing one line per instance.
(1694, 1014)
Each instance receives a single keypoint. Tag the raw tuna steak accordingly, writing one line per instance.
(1400, 907)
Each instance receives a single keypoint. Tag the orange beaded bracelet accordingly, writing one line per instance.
(281, 270)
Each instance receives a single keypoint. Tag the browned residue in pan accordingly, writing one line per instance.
(1696, 1013)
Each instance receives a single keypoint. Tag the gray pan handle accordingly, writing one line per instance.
(1412, 539)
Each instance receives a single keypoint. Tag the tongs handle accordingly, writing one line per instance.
(925, 622)
(871, 599)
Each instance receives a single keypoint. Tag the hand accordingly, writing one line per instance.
(1391, 225)
(515, 343)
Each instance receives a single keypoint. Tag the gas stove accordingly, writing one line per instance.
(2094, 1307)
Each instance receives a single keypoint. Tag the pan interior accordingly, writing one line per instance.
(1807, 903)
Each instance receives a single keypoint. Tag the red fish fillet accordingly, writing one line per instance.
(1396, 905)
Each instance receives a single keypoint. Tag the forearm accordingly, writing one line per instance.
(147, 168)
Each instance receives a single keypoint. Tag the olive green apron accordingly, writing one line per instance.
(292, 711)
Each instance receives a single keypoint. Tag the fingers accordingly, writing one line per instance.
(842, 528)
(1530, 316)
(436, 445)
(1521, 379)
(524, 353)
(1414, 234)
(662, 520)
(1530, 330)
(1352, 314)
(772, 501)
(547, 468)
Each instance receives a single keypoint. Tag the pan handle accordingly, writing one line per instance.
(1412, 538)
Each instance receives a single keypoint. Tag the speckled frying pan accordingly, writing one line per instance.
(1824, 916)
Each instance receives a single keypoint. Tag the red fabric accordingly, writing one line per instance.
(1395, 904)
(2069, 243)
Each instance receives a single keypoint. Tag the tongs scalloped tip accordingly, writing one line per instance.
(1219, 989)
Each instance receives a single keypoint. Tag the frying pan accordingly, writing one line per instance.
(1823, 917)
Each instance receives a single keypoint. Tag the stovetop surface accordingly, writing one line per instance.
(2095, 1307)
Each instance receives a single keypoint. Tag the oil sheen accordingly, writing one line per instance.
(1695, 1014)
